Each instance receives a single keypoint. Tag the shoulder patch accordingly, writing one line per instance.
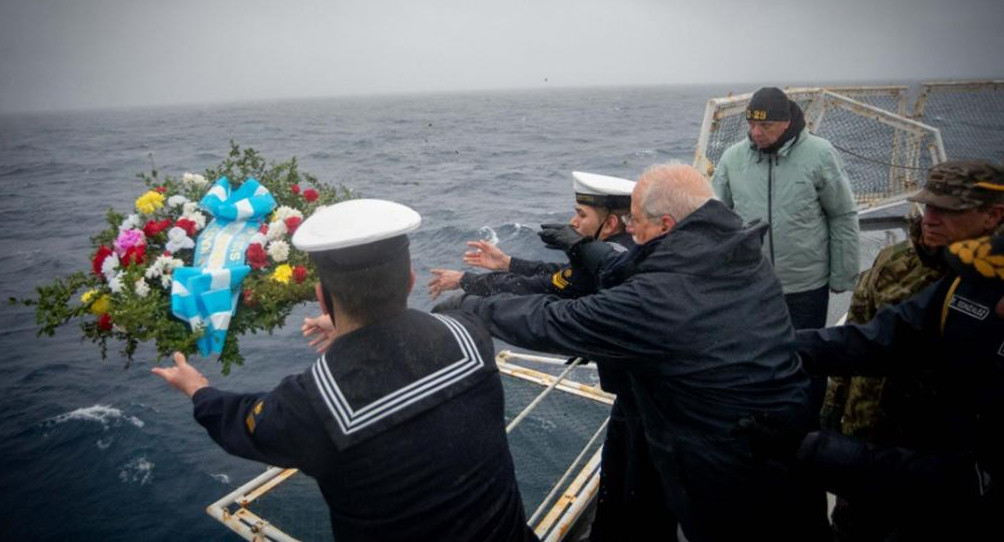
(252, 418)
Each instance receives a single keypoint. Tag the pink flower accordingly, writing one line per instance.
(127, 240)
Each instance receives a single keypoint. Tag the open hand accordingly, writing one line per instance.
(486, 255)
(182, 376)
(443, 280)
(322, 329)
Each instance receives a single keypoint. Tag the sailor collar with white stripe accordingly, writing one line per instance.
(376, 378)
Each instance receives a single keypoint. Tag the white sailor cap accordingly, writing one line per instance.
(602, 190)
(357, 233)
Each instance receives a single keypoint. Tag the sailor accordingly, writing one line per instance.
(701, 330)
(600, 202)
(401, 420)
(952, 334)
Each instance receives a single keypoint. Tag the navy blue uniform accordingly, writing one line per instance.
(401, 424)
(533, 277)
(950, 336)
(702, 330)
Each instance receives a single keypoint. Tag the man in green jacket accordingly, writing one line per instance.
(795, 182)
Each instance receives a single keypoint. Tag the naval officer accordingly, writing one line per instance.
(400, 421)
(600, 202)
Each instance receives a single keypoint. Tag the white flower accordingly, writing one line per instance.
(109, 267)
(188, 208)
(194, 179)
(162, 267)
(276, 229)
(131, 222)
(284, 212)
(278, 250)
(198, 218)
(178, 239)
(115, 284)
(177, 200)
(141, 288)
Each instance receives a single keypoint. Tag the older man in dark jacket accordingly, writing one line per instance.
(698, 320)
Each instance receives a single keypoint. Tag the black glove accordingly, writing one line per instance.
(450, 303)
(560, 236)
(769, 439)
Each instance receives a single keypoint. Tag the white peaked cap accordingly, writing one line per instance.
(355, 223)
(602, 185)
(602, 190)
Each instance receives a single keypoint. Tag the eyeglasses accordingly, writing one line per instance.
(628, 220)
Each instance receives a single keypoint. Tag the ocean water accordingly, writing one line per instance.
(92, 450)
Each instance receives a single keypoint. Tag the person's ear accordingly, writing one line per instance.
(667, 223)
(411, 280)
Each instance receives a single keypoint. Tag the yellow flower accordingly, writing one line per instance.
(283, 273)
(150, 202)
(102, 305)
(87, 296)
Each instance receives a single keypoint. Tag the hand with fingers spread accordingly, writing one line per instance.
(444, 280)
(182, 376)
(322, 329)
(486, 255)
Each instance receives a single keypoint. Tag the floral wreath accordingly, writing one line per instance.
(201, 261)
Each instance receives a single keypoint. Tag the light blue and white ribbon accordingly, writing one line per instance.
(206, 294)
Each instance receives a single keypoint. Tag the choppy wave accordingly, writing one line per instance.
(106, 415)
(138, 471)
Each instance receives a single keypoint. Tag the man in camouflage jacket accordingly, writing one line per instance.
(963, 200)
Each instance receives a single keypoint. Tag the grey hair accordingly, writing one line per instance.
(675, 189)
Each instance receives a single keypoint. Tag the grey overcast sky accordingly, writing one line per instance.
(69, 54)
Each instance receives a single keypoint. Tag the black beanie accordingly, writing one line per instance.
(768, 104)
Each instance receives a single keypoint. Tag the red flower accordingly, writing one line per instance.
(310, 195)
(160, 189)
(105, 322)
(255, 256)
(135, 254)
(99, 258)
(153, 227)
(188, 225)
(249, 298)
(264, 228)
(299, 274)
(295, 188)
(292, 223)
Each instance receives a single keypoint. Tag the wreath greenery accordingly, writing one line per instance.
(126, 296)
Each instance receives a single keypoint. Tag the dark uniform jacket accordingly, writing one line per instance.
(702, 328)
(533, 277)
(401, 424)
(950, 335)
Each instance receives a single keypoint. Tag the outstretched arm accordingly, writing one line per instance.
(486, 255)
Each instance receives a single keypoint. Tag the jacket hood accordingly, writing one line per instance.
(708, 241)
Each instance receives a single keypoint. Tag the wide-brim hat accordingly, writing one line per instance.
(602, 190)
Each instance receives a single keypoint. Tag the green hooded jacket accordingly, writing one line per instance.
(803, 193)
